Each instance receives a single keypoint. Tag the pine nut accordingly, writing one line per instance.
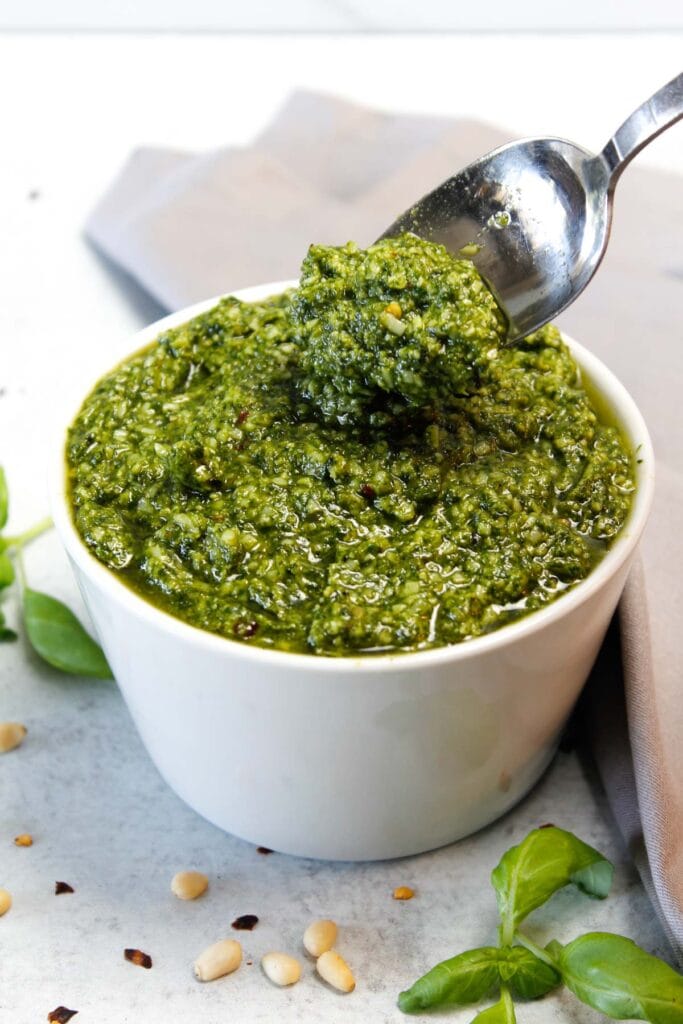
(319, 937)
(188, 885)
(5, 901)
(335, 971)
(281, 968)
(392, 323)
(222, 958)
(11, 735)
(23, 840)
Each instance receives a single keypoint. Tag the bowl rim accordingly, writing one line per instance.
(603, 380)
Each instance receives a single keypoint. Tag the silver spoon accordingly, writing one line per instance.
(535, 215)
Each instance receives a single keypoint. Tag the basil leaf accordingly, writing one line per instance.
(527, 976)
(59, 638)
(471, 976)
(501, 1013)
(6, 570)
(616, 977)
(4, 499)
(463, 979)
(5, 633)
(554, 949)
(547, 860)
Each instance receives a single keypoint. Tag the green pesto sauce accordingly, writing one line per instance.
(361, 464)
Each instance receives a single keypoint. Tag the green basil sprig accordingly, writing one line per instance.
(607, 972)
(52, 629)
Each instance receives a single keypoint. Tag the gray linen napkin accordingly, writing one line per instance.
(188, 227)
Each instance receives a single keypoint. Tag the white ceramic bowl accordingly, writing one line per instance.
(355, 758)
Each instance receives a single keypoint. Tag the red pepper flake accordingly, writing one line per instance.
(241, 416)
(244, 629)
(61, 1015)
(137, 957)
(61, 887)
(245, 923)
(548, 824)
(264, 850)
(368, 491)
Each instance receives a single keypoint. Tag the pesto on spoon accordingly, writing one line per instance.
(535, 215)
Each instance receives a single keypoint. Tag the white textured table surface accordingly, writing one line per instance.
(102, 818)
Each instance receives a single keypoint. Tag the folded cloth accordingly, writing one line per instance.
(188, 227)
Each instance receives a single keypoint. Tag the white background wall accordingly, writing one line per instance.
(341, 15)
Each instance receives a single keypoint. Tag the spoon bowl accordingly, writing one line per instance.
(534, 216)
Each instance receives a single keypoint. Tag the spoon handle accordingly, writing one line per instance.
(646, 123)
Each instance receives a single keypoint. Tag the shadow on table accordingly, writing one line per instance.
(143, 304)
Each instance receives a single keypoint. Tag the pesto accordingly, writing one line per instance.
(360, 464)
(391, 327)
